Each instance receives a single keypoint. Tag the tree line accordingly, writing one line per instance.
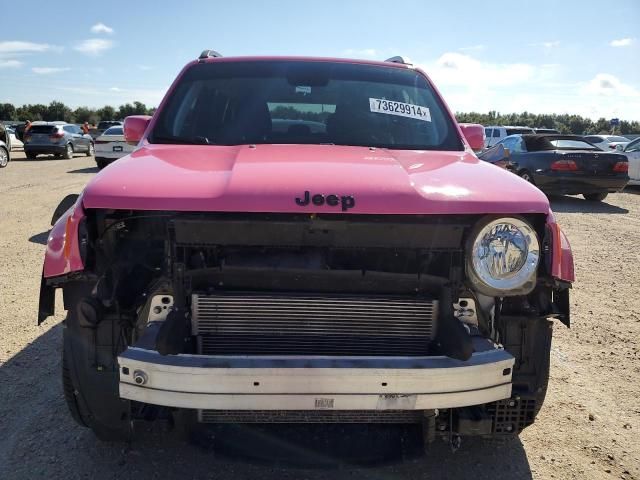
(565, 123)
(59, 111)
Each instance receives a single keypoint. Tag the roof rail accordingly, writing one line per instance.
(397, 59)
(209, 54)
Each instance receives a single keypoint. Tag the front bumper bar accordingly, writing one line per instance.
(310, 383)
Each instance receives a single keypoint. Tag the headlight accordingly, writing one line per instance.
(502, 257)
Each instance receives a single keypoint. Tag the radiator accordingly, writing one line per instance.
(241, 323)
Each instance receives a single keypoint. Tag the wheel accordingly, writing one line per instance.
(70, 393)
(101, 162)
(525, 175)
(4, 157)
(30, 155)
(91, 150)
(68, 153)
(595, 197)
(92, 394)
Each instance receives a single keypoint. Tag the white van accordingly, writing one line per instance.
(494, 134)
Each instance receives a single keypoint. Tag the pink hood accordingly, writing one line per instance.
(268, 178)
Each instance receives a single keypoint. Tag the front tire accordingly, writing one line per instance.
(90, 152)
(68, 152)
(90, 373)
(595, 197)
(30, 155)
(4, 157)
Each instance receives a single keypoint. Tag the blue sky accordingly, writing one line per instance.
(542, 56)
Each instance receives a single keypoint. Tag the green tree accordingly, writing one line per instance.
(83, 114)
(106, 113)
(58, 111)
(8, 112)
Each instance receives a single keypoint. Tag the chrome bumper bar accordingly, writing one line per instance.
(309, 383)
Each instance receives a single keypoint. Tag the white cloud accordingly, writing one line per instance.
(546, 44)
(94, 46)
(49, 70)
(115, 89)
(101, 28)
(473, 48)
(458, 69)
(604, 84)
(10, 63)
(623, 42)
(18, 47)
(365, 52)
(144, 68)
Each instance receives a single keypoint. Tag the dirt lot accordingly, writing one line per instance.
(588, 428)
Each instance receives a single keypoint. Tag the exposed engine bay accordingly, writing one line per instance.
(311, 286)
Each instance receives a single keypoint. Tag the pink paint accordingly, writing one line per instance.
(134, 127)
(474, 134)
(562, 266)
(55, 261)
(268, 178)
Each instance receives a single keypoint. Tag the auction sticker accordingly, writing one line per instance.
(379, 105)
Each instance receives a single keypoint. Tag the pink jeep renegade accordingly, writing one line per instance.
(306, 240)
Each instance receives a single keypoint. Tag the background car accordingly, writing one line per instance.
(5, 146)
(546, 130)
(607, 142)
(16, 144)
(110, 146)
(632, 152)
(494, 134)
(59, 139)
(103, 126)
(565, 165)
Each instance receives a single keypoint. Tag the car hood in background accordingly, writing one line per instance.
(269, 178)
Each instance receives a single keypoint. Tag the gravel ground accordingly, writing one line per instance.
(589, 427)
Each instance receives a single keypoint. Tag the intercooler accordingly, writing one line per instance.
(240, 323)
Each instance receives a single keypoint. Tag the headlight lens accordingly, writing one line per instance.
(504, 257)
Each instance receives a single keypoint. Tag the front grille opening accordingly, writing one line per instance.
(311, 416)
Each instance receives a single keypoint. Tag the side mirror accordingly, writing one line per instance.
(474, 134)
(498, 155)
(620, 148)
(134, 128)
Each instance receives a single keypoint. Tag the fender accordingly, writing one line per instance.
(562, 267)
(62, 255)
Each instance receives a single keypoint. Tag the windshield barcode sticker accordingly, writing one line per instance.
(379, 105)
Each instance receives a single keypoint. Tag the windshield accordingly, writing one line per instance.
(567, 144)
(297, 102)
(615, 138)
(518, 130)
(535, 143)
(114, 131)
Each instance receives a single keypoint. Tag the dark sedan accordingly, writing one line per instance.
(564, 165)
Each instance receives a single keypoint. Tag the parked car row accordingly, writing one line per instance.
(562, 164)
(110, 146)
(57, 138)
(5, 146)
(607, 142)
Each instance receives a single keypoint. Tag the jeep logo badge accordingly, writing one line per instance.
(345, 201)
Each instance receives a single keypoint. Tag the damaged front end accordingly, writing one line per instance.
(306, 318)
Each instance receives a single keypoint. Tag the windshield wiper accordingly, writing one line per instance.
(181, 140)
